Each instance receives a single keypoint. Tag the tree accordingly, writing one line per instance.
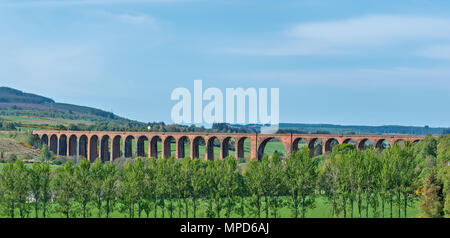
(64, 186)
(254, 180)
(109, 186)
(301, 175)
(21, 187)
(46, 190)
(83, 190)
(8, 190)
(307, 179)
(276, 183)
(97, 176)
(162, 184)
(185, 182)
(430, 202)
(198, 182)
(36, 186)
(230, 179)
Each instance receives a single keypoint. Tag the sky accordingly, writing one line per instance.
(335, 61)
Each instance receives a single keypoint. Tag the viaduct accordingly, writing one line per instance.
(109, 145)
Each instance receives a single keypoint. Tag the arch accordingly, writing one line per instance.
(116, 147)
(140, 146)
(168, 146)
(365, 144)
(349, 141)
(93, 148)
(382, 144)
(227, 144)
(315, 146)
(196, 142)
(73, 149)
(240, 150)
(128, 146)
(182, 144)
(104, 148)
(154, 146)
(83, 146)
(298, 141)
(54, 144)
(62, 145)
(416, 141)
(44, 139)
(400, 142)
(277, 147)
(330, 143)
(212, 141)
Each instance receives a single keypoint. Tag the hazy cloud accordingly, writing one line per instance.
(437, 52)
(351, 36)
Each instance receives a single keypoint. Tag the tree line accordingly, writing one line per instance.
(353, 182)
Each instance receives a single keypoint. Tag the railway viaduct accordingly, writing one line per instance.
(109, 145)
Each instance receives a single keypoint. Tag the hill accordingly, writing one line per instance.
(28, 110)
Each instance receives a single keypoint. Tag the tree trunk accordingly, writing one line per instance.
(390, 201)
(344, 201)
(367, 204)
(36, 209)
(258, 204)
(218, 207)
(405, 196)
(186, 206)
(399, 203)
(359, 205)
(107, 208)
(294, 199)
(351, 206)
(303, 205)
(162, 207)
(156, 206)
(267, 206)
(44, 213)
(194, 203)
(11, 210)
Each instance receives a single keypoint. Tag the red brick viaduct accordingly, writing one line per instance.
(110, 145)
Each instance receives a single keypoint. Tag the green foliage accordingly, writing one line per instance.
(430, 202)
(348, 178)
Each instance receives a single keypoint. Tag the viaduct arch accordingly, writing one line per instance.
(109, 145)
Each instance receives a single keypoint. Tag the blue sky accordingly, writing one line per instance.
(344, 62)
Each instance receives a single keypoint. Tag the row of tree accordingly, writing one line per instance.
(368, 180)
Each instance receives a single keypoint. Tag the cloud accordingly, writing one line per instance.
(136, 18)
(398, 78)
(436, 52)
(352, 36)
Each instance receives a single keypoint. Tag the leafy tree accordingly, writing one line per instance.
(83, 189)
(430, 202)
(21, 187)
(8, 190)
(109, 186)
(64, 186)
(45, 153)
(97, 176)
(198, 182)
(276, 183)
(185, 182)
(254, 181)
(301, 177)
